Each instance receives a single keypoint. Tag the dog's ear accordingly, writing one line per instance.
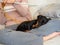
(39, 16)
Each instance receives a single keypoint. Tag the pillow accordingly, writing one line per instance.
(51, 11)
(35, 5)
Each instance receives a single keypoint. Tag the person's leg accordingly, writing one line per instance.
(9, 37)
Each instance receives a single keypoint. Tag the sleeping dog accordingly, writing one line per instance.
(28, 25)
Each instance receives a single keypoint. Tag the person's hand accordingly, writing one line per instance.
(50, 36)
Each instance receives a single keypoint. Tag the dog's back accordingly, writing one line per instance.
(26, 25)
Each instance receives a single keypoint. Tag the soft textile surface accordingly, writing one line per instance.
(53, 41)
(9, 37)
(52, 11)
(1, 44)
(2, 27)
(35, 5)
(49, 28)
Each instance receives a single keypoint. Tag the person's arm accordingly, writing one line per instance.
(45, 38)
(23, 10)
(17, 17)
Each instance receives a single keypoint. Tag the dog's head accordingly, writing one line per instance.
(42, 20)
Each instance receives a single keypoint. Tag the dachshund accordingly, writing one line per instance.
(26, 25)
(29, 25)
